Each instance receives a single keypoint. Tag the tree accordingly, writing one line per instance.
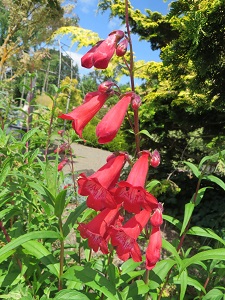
(25, 24)
(183, 98)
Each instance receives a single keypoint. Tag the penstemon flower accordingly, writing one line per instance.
(100, 55)
(97, 230)
(99, 185)
(124, 238)
(108, 127)
(132, 192)
(82, 115)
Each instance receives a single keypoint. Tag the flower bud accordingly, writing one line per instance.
(61, 132)
(156, 219)
(136, 102)
(155, 159)
(105, 86)
(122, 48)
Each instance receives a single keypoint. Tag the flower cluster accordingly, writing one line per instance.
(114, 199)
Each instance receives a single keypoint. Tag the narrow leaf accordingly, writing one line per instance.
(60, 202)
(95, 280)
(214, 294)
(206, 232)
(71, 220)
(169, 247)
(27, 237)
(39, 251)
(216, 180)
(145, 132)
(204, 255)
(200, 194)
(29, 134)
(158, 274)
(173, 221)
(193, 168)
(5, 169)
(136, 288)
(189, 207)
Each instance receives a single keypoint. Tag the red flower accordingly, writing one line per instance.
(87, 59)
(62, 164)
(131, 192)
(155, 159)
(156, 218)
(100, 55)
(81, 115)
(124, 238)
(62, 148)
(97, 230)
(121, 49)
(108, 127)
(97, 186)
(154, 248)
(61, 132)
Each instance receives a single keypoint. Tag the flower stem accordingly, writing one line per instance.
(131, 72)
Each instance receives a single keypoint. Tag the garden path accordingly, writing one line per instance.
(87, 159)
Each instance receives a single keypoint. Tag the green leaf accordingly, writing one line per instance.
(204, 255)
(129, 266)
(71, 295)
(39, 251)
(136, 288)
(51, 176)
(189, 207)
(29, 134)
(93, 279)
(193, 168)
(152, 184)
(189, 281)
(145, 132)
(60, 202)
(206, 232)
(200, 195)
(173, 221)
(44, 192)
(158, 274)
(27, 237)
(183, 283)
(212, 158)
(214, 294)
(216, 180)
(169, 247)
(71, 220)
(5, 169)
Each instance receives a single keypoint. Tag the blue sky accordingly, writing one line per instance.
(100, 23)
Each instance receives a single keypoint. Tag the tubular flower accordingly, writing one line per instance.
(100, 55)
(81, 115)
(62, 148)
(125, 238)
(87, 59)
(131, 192)
(62, 164)
(154, 248)
(108, 127)
(97, 230)
(97, 186)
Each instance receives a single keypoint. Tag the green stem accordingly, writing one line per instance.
(61, 259)
(181, 239)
